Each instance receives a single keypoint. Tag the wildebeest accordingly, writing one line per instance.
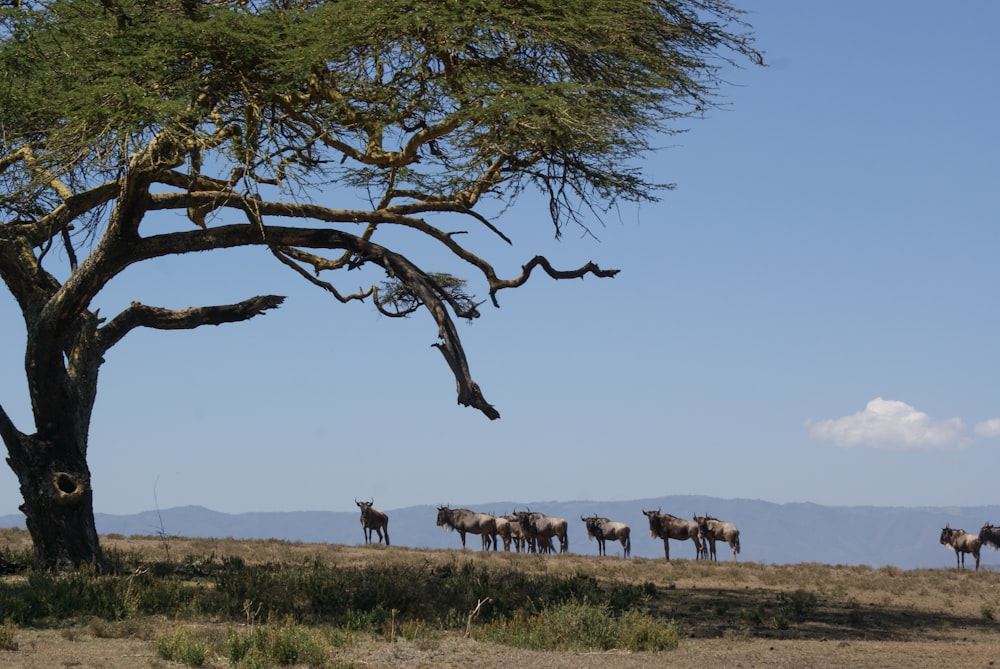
(516, 533)
(509, 530)
(465, 521)
(667, 527)
(503, 530)
(537, 526)
(373, 520)
(961, 542)
(713, 529)
(603, 529)
(990, 536)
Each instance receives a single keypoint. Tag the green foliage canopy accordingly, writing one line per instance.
(428, 107)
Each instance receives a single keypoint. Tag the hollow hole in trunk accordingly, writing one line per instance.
(66, 484)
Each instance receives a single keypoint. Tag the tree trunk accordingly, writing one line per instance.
(61, 362)
(58, 503)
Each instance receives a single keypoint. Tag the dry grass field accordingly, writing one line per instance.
(745, 615)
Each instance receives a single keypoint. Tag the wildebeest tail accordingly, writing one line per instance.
(736, 545)
(628, 545)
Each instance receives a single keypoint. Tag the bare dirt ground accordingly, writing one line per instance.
(51, 649)
(734, 616)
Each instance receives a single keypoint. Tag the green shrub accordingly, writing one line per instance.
(286, 644)
(181, 647)
(578, 626)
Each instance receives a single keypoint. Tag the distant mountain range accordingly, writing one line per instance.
(904, 537)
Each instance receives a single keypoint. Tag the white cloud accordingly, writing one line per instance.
(894, 425)
(988, 428)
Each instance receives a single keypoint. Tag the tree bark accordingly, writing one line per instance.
(58, 502)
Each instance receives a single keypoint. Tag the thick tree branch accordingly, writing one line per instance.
(8, 432)
(392, 215)
(141, 315)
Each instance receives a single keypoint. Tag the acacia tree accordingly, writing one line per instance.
(249, 117)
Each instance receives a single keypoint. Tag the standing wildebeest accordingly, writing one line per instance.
(465, 521)
(373, 520)
(509, 530)
(603, 529)
(503, 530)
(516, 534)
(714, 530)
(990, 536)
(961, 542)
(667, 527)
(538, 527)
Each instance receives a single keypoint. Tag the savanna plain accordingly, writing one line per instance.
(178, 602)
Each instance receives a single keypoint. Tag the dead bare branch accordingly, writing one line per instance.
(475, 612)
(141, 315)
(542, 261)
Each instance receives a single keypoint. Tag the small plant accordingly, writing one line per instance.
(987, 612)
(182, 647)
(339, 637)
(753, 616)
(799, 603)
(131, 596)
(8, 636)
(778, 622)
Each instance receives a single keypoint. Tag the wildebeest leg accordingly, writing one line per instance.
(666, 548)
(699, 550)
(461, 533)
(386, 535)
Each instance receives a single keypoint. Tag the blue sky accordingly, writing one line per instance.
(811, 315)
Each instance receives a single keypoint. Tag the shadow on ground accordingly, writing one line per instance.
(804, 615)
